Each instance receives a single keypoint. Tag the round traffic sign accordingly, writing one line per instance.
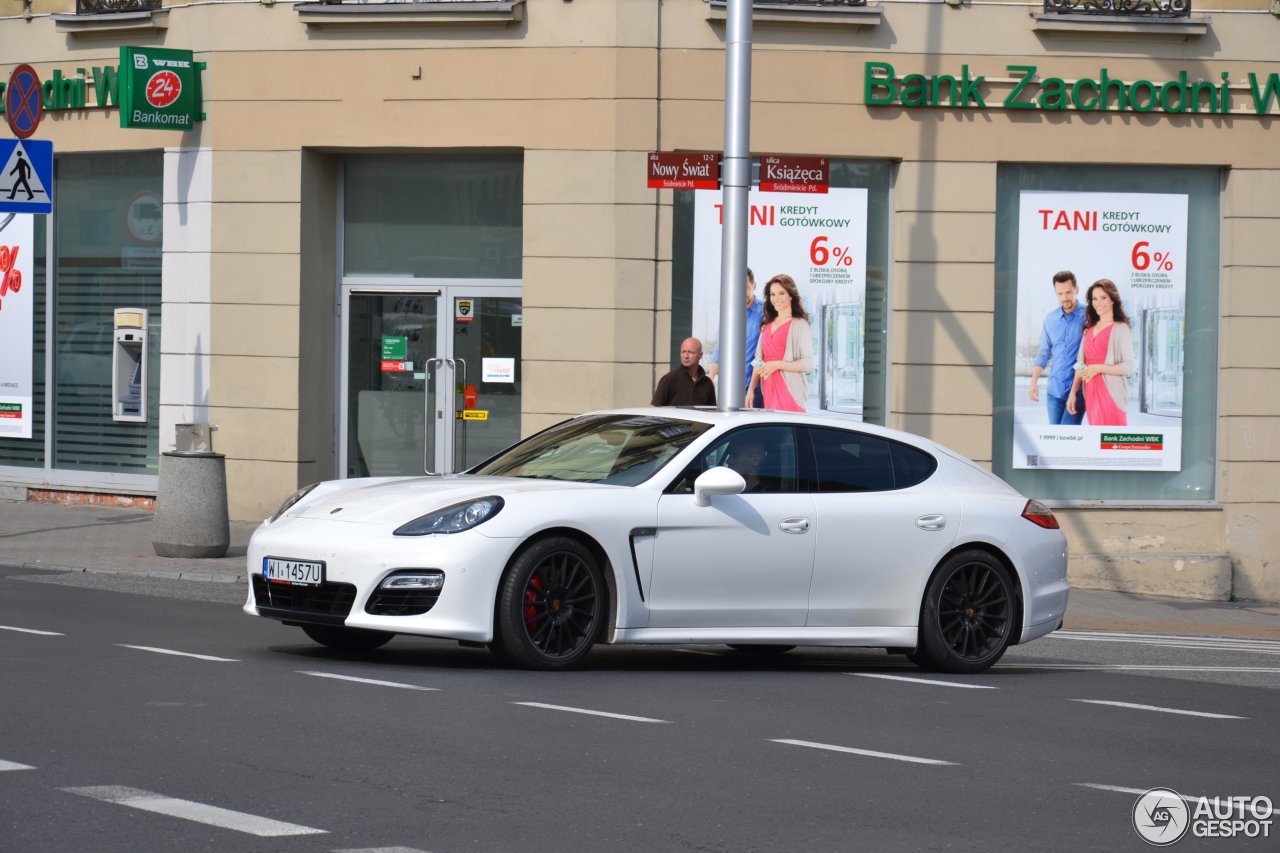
(23, 101)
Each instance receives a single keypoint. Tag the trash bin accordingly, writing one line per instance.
(191, 504)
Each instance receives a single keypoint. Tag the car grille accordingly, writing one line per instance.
(401, 602)
(327, 602)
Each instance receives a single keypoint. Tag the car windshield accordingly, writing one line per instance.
(621, 450)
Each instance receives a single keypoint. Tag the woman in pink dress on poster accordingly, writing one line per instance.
(785, 350)
(1105, 358)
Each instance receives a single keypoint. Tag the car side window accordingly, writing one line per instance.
(911, 466)
(850, 461)
(764, 455)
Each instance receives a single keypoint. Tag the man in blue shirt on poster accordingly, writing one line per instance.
(1060, 344)
(755, 319)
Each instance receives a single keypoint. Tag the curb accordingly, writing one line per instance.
(202, 576)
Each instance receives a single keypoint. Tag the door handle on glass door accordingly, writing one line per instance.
(794, 525)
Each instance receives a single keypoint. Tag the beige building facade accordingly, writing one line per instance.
(388, 205)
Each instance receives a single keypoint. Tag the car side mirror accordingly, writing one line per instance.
(717, 481)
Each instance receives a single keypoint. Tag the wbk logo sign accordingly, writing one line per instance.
(161, 89)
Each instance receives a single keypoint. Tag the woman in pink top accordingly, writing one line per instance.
(785, 351)
(1105, 358)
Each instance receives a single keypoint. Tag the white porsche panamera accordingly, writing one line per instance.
(760, 530)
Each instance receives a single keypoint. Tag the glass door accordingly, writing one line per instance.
(430, 379)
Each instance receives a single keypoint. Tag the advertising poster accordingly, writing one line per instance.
(17, 323)
(1139, 242)
(820, 240)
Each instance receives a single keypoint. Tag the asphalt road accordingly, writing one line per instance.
(152, 714)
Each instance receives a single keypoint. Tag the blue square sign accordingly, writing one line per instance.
(26, 176)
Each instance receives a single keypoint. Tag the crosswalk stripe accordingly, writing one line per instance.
(373, 681)
(932, 681)
(590, 712)
(188, 810)
(31, 631)
(1136, 707)
(179, 654)
(893, 756)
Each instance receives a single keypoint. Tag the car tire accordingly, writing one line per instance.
(550, 606)
(760, 649)
(343, 639)
(966, 619)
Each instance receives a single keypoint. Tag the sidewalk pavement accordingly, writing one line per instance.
(106, 539)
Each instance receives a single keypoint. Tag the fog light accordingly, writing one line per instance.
(413, 580)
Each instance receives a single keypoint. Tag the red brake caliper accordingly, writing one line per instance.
(530, 596)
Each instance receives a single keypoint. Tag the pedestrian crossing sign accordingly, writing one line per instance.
(26, 176)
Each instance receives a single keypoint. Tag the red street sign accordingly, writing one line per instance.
(23, 101)
(781, 174)
(684, 170)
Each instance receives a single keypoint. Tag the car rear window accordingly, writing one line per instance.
(851, 461)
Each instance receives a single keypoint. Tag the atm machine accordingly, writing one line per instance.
(129, 366)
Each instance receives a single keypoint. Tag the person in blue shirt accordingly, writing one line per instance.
(1059, 345)
(755, 319)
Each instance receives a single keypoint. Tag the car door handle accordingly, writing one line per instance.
(931, 522)
(794, 525)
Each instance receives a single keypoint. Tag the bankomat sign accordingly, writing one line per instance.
(158, 88)
(153, 87)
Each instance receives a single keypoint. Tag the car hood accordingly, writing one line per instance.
(402, 499)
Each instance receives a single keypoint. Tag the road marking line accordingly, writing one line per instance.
(1239, 643)
(698, 652)
(867, 752)
(922, 681)
(586, 711)
(1161, 710)
(31, 631)
(188, 810)
(373, 681)
(380, 850)
(1190, 800)
(179, 654)
(13, 765)
(1136, 667)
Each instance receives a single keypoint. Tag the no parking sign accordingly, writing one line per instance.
(23, 101)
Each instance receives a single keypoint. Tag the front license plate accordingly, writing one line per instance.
(300, 572)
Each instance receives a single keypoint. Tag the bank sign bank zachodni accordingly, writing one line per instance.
(1100, 93)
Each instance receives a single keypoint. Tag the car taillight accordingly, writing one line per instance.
(1039, 514)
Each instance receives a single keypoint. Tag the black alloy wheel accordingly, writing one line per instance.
(550, 606)
(966, 621)
(343, 639)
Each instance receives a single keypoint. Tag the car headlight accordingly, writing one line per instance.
(453, 519)
(291, 501)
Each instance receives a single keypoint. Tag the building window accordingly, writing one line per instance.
(107, 247)
(1149, 434)
(434, 217)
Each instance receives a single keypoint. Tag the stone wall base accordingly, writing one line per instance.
(1202, 576)
(79, 498)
